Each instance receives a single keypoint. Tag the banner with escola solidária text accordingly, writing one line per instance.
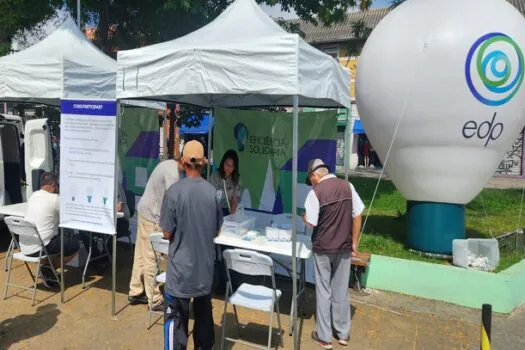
(263, 141)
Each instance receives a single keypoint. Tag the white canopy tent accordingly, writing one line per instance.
(63, 65)
(241, 59)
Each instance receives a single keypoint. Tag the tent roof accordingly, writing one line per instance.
(63, 65)
(242, 58)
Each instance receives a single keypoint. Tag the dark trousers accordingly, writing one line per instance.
(176, 321)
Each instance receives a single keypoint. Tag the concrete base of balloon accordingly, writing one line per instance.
(431, 227)
(455, 285)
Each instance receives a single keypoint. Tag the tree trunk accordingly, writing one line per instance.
(103, 30)
(174, 132)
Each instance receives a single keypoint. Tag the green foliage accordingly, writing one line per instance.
(325, 12)
(290, 26)
(361, 32)
(190, 116)
(492, 213)
(18, 15)
(396, 3)
(127, 24)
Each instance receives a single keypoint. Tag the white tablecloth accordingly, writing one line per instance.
(260, 244)
(18, 210)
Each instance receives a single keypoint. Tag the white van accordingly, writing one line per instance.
(25, 153)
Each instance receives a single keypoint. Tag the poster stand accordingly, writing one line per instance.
(89, 183)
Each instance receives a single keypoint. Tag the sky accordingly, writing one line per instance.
(275, 11)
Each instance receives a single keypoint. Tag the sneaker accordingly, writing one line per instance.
(323, 344)
(342, 342)
(48, 277)
(138, 299)
(158, 308)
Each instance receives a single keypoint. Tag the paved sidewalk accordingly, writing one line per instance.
(380, 321)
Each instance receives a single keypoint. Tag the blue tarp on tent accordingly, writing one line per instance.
(358, 127)
(206, 124)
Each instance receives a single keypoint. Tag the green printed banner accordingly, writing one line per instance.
(139, 139)
(263, 141)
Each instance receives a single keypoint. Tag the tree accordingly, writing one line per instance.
(27, 37)
(127, 24)
(395, 3)
(17, 15)
(290, 26)
(360, 32)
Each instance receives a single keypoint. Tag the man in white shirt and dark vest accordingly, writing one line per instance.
(333, 209)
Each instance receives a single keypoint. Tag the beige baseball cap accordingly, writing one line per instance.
(193, 153)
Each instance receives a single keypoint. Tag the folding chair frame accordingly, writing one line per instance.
(42, 255)
(153, 285)
(275, 308)
(11, 246)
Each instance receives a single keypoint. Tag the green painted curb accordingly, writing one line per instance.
(455, 285)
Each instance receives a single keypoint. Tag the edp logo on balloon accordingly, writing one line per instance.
(494, 71)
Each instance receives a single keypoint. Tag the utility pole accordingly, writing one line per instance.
(78, 14)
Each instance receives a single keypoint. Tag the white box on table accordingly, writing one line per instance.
(237, 226)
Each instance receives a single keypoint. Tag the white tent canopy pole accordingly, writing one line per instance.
(295, 137)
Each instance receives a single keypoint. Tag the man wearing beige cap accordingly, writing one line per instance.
(333, 208)
(190, 218)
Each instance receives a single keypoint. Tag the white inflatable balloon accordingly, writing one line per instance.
(451, 71)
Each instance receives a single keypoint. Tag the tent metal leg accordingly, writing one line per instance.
(294, 215)
(62, 282)
(113, 275)
(210, 135)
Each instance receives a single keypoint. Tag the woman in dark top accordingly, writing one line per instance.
(227, 182)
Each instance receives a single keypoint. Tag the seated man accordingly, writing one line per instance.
(43, 208)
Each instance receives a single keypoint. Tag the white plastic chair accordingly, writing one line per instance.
(24, 228)
(257, 297)
(160, 246)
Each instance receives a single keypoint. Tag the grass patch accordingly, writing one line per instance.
(493, 211)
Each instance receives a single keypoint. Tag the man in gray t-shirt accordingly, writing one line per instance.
(190, 218)
(143, 273)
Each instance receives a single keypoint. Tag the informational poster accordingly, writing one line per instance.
(87, 165)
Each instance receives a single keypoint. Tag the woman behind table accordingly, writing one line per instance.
(227, 182)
